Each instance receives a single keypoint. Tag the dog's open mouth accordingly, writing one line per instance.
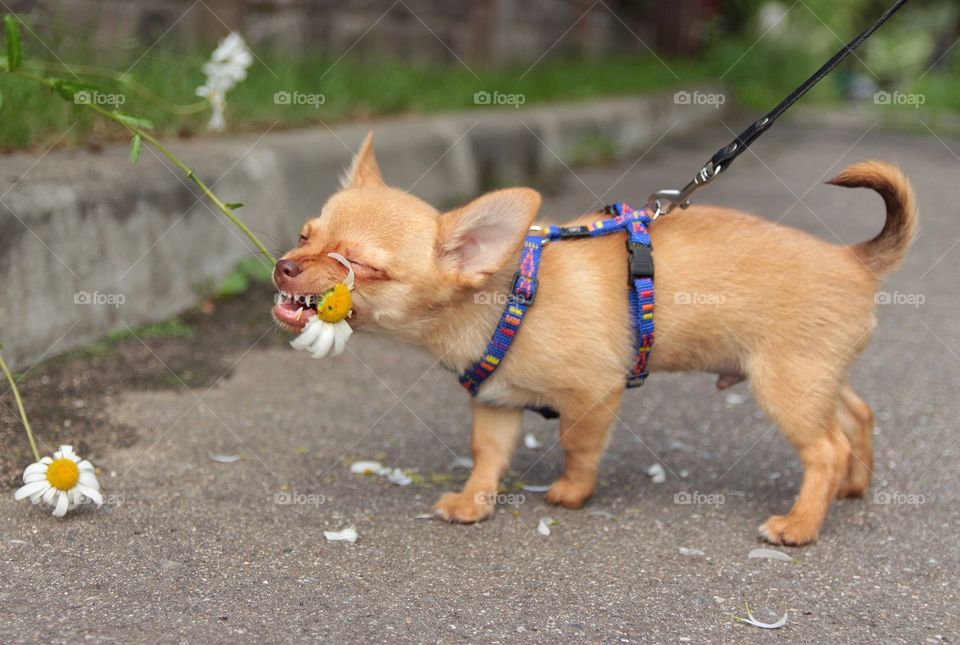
(293, 310)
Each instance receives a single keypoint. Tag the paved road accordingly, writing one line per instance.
(202, 550)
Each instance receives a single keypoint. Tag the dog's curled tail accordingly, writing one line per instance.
(884, 253)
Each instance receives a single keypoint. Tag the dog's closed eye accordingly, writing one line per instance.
(301, 240)
(366, 271)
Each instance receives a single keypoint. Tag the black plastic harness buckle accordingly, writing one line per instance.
(568, 232)
(519, 295)
(640, 262)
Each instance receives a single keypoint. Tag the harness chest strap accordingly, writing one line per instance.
(525, 284)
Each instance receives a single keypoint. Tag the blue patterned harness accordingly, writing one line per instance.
(524, 289)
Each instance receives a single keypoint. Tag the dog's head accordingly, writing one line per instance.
(408, 257)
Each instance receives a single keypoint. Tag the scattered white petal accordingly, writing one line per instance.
(750, 620)
(424, 516)
(684, 473)
(685, 551)
(733, 398)
(657, 473)
(543, 528)
(348, 534)
(531, 442)
(366, 468)
(462, 462)
(399, 477)
(536, 488)
(224, 459)
(770, 554)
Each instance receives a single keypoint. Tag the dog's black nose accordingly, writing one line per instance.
(285, 270)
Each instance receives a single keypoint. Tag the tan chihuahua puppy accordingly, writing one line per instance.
(795, 313)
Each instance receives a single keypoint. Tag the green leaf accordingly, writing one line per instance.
(135, 148)
(234, 284)
(234, 205)
(74, 91)
(132, 121)
(14, 42)
(256, 269)
(1, 99)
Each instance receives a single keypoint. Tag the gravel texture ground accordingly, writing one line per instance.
(190, 549)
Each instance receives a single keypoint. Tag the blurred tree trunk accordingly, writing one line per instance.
(482, 20)
(945, 47)
(681, 25)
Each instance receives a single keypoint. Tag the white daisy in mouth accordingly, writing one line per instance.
(64, 482)
(327, 330)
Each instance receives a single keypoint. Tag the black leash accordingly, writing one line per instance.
(664, 201)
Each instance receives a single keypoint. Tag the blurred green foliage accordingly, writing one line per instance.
(243, 276)
(161, 87)
(761, 49)
(765, 57)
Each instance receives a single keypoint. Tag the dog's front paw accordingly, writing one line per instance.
(465, 507)
(789, 530)
(569, 493)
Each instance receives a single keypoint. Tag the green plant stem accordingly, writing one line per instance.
(129, 81)
(23, 412)
(149, 138)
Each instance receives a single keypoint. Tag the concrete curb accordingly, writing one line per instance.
(90, 243)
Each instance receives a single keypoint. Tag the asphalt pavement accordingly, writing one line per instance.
(191, 549)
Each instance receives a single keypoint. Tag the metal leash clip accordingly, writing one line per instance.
(664, 201)
(542, 232)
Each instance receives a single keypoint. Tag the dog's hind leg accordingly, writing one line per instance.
(856, 420)
(802, 400)
(584, 428)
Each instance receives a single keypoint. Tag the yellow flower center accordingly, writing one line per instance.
(335, 305)
(63, 474)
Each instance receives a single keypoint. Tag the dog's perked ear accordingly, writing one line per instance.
(364, 171)
(476, 240)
